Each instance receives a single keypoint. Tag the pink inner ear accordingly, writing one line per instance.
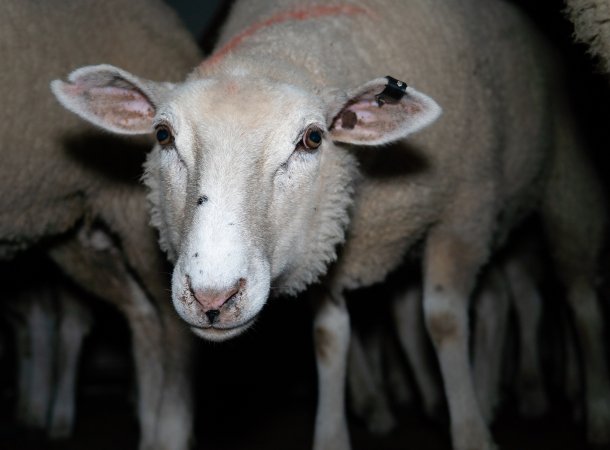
(367, 113)
(360, 113)
(366, 120)
(119, 99)
(378, 114)
(121, 107)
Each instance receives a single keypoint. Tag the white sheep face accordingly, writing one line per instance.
(248, 188)
(238, 188)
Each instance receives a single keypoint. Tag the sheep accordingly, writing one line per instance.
(591, 19)
(263, 180)
(92, 222)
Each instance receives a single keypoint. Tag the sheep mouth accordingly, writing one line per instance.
(220, 332)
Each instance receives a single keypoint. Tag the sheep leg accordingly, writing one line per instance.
(360, 382)
(75, 322)
(398, 380)
(42, 324)
(365, 388)
(381, 418)
(528, 307)
(34, 319)
(587, 316)
(572, 381)
(450, 267)
(589, 328)
(574, 216)
(175, 421)
(331, 339)
(147, 342)
(18, 323)
(114, 283)
(408, 318)
(162, 374)
(491, 320)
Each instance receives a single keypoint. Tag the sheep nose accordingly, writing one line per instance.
(212, 315)
(212, 300)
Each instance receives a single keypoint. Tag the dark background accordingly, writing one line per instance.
(258, 391)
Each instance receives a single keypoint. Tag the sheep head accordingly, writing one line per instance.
(250, 184)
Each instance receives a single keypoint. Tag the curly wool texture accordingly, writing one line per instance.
(591, 20)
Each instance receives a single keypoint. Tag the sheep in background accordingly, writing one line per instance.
(591, 20)
(262, 127)
(49, 324)
(513, 281)
(510, 282)
(32, 316)
(91, 220)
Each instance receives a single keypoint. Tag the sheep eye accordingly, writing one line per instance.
(164, 135)
(312, 138)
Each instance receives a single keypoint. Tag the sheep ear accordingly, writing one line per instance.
(382, 111)
(111, 98)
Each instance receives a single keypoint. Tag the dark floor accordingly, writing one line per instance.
(110, 425)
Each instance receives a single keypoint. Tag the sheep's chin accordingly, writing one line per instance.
(219, 334)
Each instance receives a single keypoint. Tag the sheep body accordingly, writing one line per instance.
(231, 162)
(440, 56)
(91, 220)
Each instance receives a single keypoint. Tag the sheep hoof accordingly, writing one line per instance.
(336, 440)
(472, 438)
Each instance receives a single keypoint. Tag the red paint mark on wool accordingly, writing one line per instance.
(296, 15)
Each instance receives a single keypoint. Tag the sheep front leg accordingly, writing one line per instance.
(407, 316)
(115, 283)
(331, 340)
(588, 322)
(33, 317)
(24, 363)
(528, 308)
(175, 422)
(75, 322)
(147, 343)
(491, 310)
(365, 384)
(450, 267)
(399, 386)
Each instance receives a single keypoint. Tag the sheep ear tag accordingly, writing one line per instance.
(394, 91)
(382, 111)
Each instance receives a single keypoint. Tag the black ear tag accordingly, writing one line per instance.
(393, 92)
